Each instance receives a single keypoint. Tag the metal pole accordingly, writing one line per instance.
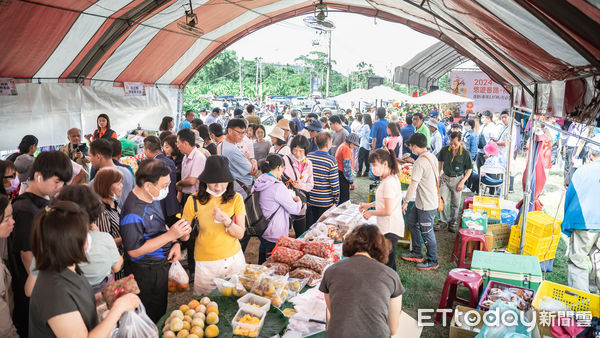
(510, 145)
(328, 65)
(241, 90)
(256, 91)
(527, 193)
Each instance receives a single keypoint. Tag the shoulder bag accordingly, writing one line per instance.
(437, 185)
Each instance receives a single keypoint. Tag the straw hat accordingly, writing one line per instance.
(277, 133)
(283, 124)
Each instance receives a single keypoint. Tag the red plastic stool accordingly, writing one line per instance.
(467, 203)
(463, 237)
(465, 278)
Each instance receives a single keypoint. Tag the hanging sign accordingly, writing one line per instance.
(486, 94)
(134, 89)
(7, 86)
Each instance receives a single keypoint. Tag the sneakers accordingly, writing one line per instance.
(452, 229)
(412, 257)
(439, 226)
(427, 265)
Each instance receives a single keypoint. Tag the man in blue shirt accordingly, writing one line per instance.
(186, 123)
(406, 132)
(296, 120)
(471, 138)
(441, 127)
(314, 127)
(149, 246)
(379, 131)
(212, 118)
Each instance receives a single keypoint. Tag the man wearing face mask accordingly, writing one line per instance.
(170, 204)
(149, 246)
(471, 139)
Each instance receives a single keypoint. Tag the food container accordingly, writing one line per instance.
(527, 296)
(245, 329)
(250, 298)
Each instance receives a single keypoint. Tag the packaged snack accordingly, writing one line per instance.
(224, 287)
(295, 285)
(317, 264)
(291, 243)
(255, 271)
(278, 268)
(286, 255)
(320, 249)
(303, 273)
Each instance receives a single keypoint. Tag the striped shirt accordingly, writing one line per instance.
(109, 222)
(326, 189)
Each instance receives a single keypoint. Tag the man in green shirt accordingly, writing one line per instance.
(420, 127)
(457, 166)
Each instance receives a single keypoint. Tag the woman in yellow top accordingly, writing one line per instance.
(221, 225)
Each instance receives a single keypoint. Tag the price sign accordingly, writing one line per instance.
(134, 89)
(7, 87)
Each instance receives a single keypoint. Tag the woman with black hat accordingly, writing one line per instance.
(221, 219)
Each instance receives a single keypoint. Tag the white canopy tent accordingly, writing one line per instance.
(439, 97)
(353, 95)
(384, 93)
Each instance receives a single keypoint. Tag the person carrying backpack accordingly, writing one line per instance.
(218, 216)
(276, 202)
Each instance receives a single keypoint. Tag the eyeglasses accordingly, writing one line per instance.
(243, 131)
(11, 176)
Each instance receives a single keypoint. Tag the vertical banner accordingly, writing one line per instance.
(134, 89)
(7, 86)
(486, 94)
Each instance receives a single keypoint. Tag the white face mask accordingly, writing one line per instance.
(115, 197)
(161, 194)
(212, 193)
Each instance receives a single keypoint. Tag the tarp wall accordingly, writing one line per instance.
(48, 110)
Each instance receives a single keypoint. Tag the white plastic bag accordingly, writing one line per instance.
(177, 273)
(135, 324)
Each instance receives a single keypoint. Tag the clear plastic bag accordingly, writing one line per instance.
(278, 268)
(291, 243)
(315, 263)
(286, 255)
(134, 324)
(177, 273)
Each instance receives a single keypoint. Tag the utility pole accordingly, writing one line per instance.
(241, 89)
(328, 65)
(260, 89)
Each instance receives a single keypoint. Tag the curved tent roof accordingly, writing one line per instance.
(429, 65)
(515, 42)
(439, 97)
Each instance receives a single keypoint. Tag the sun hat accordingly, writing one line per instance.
(394, 118)
(314, 125)
(353, 138)
(491, 149)
(216, 170)
(432, 123)
(277, 133)
(283, 124)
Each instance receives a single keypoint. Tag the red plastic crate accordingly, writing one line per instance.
(494, 284)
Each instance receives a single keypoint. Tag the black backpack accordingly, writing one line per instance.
(256, 223)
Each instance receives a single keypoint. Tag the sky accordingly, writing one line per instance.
(356, 38)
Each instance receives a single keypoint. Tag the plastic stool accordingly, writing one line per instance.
(463, 237)
(467, 203)
(462, 277)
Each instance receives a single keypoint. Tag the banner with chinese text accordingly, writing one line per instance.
(134, 89)
(7, 86)
(486, 94)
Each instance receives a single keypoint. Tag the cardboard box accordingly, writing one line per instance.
(499, 235)
(409, 327)
(462, 331)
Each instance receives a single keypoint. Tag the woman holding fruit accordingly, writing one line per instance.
(220, 213)
(388, 200)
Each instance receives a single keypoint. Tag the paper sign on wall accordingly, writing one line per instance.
(134, 89)
(7, 87)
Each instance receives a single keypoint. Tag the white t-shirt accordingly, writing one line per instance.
(390, 187)
(424, 173)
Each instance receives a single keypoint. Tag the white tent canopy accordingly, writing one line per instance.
(385, 93)
(353, 95)
(439, 97)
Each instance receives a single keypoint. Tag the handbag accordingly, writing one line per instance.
(302, 194)
(437, 185)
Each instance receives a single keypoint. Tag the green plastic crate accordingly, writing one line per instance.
(523, 271)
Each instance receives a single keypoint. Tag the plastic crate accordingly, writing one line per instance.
(542, 224)
(495, 284)
(542, 247)
(489, 204)
(575, 299)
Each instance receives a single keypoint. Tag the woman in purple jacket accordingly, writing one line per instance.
(276, 200)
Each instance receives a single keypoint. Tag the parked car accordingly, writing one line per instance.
(324, 106)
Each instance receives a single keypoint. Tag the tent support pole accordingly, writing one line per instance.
(527, 192)
(510, 146)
